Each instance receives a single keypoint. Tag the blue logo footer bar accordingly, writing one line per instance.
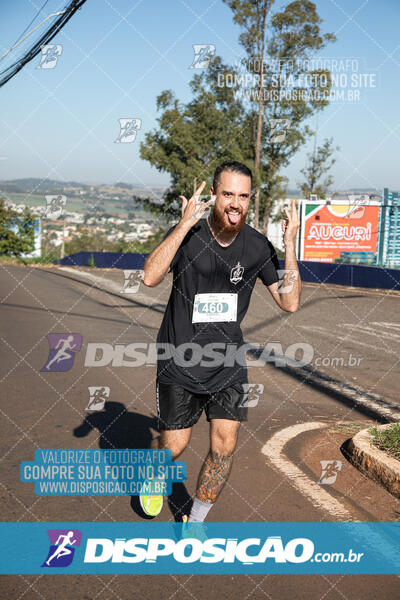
(214, 548)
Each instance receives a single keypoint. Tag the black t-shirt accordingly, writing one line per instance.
(202, 266)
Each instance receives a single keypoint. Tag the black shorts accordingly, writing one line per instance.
(178, 408)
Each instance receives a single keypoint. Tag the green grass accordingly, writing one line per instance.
(47, 259)
(9, 260)
(350, 428)
(388, 439)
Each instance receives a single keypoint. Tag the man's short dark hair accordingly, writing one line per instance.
(233, 166)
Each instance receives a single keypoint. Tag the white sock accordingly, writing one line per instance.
(199, 511)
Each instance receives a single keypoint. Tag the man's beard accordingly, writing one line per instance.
(220, 222)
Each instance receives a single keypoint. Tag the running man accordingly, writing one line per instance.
(62, 549)
(63, 345)
(215, 264)
(99, 397)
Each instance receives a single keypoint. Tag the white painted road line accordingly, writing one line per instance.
(338, 336)
(107, 284)
(273, 449)
(373, 402)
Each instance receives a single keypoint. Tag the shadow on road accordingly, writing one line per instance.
(119, 428)
(282, 315)
(354, 397)
(159, 308)
(76, 314)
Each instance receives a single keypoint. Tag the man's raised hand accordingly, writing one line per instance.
(194, 209)
(291, 224)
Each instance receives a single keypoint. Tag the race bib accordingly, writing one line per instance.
(214, 308)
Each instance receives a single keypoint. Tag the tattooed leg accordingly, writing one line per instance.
(217, 466)
(213, 476)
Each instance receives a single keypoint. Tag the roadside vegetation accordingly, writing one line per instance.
(388, 439)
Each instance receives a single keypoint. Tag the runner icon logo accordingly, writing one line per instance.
(203, 53)
(62, 351)
(237, 273)
(98, 396)
(251, 395)
(330, 470)
(62, 547)
(133, 277)
(55, 206)
(50, 55)
(128, 130)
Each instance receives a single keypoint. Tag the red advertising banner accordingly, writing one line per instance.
(330, 229)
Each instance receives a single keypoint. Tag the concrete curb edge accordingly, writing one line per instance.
(375, 463)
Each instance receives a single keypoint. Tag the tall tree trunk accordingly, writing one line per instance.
(267, 212)
(257, 209)
(259, 120)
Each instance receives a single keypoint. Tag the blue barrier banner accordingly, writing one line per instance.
(104, 260)
(213, 548)
(314, 272)
(114, 472)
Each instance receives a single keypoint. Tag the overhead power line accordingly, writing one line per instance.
(34, 19)
(63, 18)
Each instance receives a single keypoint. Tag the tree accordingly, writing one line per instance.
(319, 162)
(193, 139)
(97, 242)
(253, 17)
(16, 231)
(219, 124)
(287, 91)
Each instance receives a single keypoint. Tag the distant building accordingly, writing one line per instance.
(389, 230)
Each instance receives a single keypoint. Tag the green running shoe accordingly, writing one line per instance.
(194, 530)
(151, 505)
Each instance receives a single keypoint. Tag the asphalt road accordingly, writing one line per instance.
(47, 410)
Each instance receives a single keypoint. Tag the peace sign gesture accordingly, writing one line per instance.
(193, 209)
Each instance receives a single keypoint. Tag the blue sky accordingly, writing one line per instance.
(118, 55)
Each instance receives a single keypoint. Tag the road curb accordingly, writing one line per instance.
(373, 462)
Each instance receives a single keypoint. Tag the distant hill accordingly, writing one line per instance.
(125, 186)
(39, 185)
(28, 184)
(18, 186)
